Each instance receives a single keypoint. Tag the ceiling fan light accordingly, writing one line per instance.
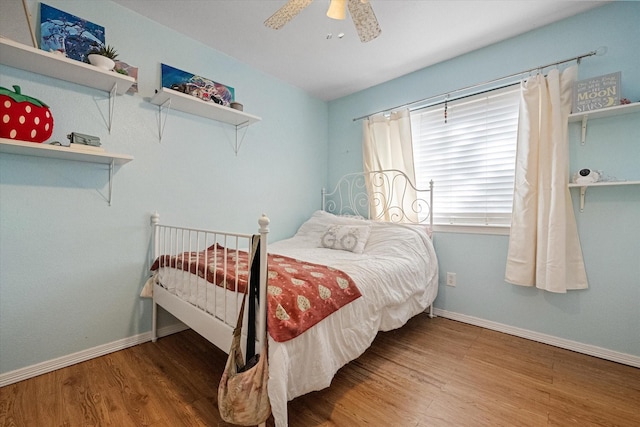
(337, 9)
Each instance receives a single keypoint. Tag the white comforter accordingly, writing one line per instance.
(397, 275)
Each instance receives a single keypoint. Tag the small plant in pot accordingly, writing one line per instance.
(103, 57)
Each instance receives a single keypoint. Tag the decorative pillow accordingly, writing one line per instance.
(346, 237)
(314, 228)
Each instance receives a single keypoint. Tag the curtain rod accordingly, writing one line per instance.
(600, 51)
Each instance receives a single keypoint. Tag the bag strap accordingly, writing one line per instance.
(254, 296)
(238, 328)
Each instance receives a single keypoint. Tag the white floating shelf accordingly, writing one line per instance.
(606, 112)
(173, 99)
(24, 148)
(583, 188)
(10, 146)
(618, 110)
(604, 183)
(28, 58)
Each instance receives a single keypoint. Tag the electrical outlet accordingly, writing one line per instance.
(451, 279)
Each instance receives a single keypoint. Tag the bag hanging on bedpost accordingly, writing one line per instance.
(254, 297)
(242, 394)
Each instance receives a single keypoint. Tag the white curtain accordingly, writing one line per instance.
(386, 145)
(544, 247)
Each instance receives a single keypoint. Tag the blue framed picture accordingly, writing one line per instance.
(68, 34)
(197, 86)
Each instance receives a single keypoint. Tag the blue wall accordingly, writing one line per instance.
(72, 267)
(607, 315)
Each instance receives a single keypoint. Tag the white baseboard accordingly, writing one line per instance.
(81, 356)
(591, 350)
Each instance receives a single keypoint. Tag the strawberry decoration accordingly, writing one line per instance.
(23, 117)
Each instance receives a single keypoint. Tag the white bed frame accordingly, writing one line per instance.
(215, 327)
(390, 190)
(349, 197)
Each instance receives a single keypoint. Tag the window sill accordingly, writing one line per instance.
(501, 230)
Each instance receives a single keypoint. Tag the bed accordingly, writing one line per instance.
(379, 274)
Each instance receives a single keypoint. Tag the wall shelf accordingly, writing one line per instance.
(583, 188)
(49, 64)
(28, 58)
(167, 98)
(617, 110)
(23, 148)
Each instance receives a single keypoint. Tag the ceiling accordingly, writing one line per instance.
(308, 53)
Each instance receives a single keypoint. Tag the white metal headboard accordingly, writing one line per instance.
(387, 189)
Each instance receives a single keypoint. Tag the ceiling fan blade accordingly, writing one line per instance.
(364, 19)
(286, 13)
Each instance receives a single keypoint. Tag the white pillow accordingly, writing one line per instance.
(389, 238)
(315, 227)
(346, 237)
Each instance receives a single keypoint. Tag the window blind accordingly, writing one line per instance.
(471, 157)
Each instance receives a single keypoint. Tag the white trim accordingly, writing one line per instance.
(591, 350)
(84, 355)
(500, 230)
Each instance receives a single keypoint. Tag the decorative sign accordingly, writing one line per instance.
(597, 92)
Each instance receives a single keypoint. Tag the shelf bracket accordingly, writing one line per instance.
(110, 180)
(583, 191)
(166, 105)
(244, 126)
(585, 118)
(112, 102)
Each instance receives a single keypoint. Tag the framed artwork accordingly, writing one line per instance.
(197, 86)
(62, 32)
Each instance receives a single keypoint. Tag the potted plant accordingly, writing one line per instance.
(103, 57)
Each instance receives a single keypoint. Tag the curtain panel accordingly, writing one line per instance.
(387, 144)
(544, 246)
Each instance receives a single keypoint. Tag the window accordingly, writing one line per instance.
(470, 158)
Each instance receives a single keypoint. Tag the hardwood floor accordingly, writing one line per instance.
(431, 372)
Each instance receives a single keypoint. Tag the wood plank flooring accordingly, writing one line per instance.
(431, 372)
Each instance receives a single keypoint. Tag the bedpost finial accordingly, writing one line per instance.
(264, 223)
(155, 218)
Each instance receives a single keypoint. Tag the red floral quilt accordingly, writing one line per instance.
(299, 294)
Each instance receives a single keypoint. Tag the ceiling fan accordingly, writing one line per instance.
(360, 10)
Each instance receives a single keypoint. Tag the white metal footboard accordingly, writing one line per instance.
(208, 309)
